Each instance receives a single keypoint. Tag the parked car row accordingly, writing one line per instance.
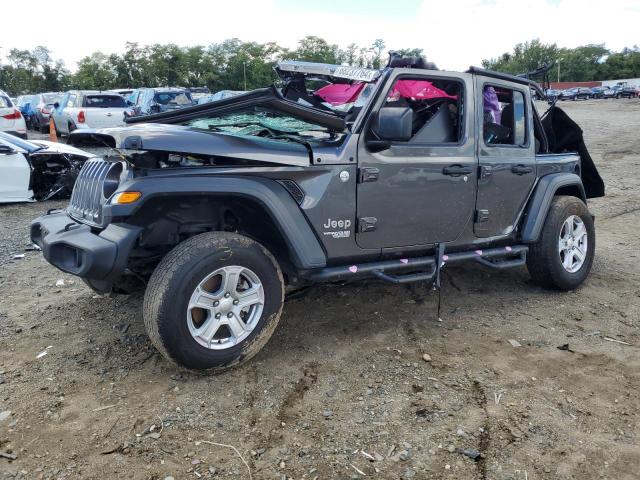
(584, 93)
(81, 109)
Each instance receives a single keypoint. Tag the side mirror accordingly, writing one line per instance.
(56, 105)
(6, 149)
(394, 123)
(130, 103)
(154, 108)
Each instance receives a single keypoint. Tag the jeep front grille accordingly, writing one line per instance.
(87, 196)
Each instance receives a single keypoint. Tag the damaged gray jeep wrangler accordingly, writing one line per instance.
(336, 173)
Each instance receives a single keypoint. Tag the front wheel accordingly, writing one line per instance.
(214, 301)
(563, 255)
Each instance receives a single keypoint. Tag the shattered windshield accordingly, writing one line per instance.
(262, 122)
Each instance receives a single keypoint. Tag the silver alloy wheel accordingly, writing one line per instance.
(225, 307)
(573, 244)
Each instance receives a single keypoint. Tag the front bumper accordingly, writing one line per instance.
(99, 257)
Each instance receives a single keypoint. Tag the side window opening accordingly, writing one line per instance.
(504, 116)
(436, 106)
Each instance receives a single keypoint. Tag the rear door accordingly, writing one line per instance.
(506, 155)
(420, 191)
(103, 111)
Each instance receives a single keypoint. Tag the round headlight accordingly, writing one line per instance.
(112, 180)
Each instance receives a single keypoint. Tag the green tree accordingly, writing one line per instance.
(32, 71)
(525, 57)
(316, 49)
(95, 72)
(582, 63)
(377, 48)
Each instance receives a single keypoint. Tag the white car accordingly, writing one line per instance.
(11, 120)
(88, 109)
(37, 170)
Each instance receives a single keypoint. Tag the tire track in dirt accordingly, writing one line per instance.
(294, 397)
(480, 397)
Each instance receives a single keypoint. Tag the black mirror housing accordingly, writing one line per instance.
(56, 105)
(395, 123)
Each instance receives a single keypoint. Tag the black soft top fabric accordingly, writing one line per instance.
(564, 135)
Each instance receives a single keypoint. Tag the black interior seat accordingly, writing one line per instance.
(507, 121)
(437, 129)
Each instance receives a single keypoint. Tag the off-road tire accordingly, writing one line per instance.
(173, 282)
(543, 259)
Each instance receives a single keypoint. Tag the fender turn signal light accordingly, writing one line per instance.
(126, 197)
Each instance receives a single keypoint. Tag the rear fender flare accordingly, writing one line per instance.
(538, 207)
(304, 247)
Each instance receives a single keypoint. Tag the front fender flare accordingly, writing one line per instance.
(306, 251)
(541, 202)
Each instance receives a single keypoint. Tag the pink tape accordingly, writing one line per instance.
(508, 249)
(445, 257)
(479, 252)
(404, 260)
(353, 269)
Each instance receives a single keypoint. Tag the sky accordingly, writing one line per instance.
(453, 34)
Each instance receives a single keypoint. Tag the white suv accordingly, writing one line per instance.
(11, 120)
(88, 109)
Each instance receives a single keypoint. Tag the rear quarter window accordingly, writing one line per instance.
(504, 116)
(5, 102)
(104, 101)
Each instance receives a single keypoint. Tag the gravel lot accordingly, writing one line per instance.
(343, 389)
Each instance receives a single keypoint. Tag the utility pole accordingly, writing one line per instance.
(244, 70)
(558, 71)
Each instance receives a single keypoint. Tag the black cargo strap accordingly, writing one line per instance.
(437, 283)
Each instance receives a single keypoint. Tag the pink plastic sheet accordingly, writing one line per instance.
(340, 93)
(418, 89)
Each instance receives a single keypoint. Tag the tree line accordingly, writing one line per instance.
(229, 65)
(584, 63)
(237, 65)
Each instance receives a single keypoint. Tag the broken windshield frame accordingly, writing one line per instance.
(271, 124)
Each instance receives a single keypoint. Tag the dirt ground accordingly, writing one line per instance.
(342, 390)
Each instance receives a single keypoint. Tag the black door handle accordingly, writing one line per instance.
(456, 170)
(521, 169)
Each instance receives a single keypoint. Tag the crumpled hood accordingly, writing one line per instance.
(181, 139)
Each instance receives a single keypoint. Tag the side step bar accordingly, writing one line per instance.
(497, 258)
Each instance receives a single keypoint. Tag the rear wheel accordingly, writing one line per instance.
(563, 255)
(44, 128)
(213, 301)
